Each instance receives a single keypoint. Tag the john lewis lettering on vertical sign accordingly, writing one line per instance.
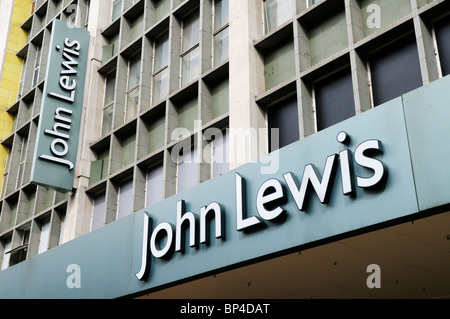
(59, 122)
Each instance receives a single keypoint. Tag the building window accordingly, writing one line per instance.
(108, 103)
(187, 169)
(98, 211)
(116, 9)
(276, 12)
(22, 77)
(22, 160)
(312, 2)
(162, 8)
(125, 199)
(37, 63)
(442, 32)
(99, 167)
(88, 10)
(6, 172)
(134, 76)
(334, 99)
(6, 254)
(219, 154)
(45, 236)
(395, 70)
(33, 6)
(283, 123)
(61, 229)
(278, 64)
(154, 185)
(160, 68)
(190, 55)
(19, 253)
(220, 31)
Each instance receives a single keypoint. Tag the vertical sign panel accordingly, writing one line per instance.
(59, 122)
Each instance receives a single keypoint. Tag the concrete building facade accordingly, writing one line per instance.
(178, 93)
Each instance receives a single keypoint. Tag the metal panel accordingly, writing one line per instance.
(59, 121)
(110, 257)
(427, 112)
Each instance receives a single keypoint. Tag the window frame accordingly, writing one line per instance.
(119, 213)
(157, 166)
(185, 53)
(340, 72)
(95, 212)
(6, 171)
(45, 226)
(156, 73)
(225, 152)
(37, 65)
(106, 105)
(22, 160)
(398, 44)
(268, 29)
(276, 104)
(217, 32)
(438, 49)
(193, 151)
(130, 90)
(7, 245)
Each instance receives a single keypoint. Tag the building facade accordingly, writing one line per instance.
(13, 39)
(178, 93)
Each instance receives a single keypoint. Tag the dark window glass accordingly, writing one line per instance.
(395, 70)
(283, 116)
(443, 41)
(334, 99)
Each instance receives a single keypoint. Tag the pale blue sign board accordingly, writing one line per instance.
(415, 140)
(61, 110)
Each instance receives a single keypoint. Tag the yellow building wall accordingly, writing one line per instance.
(12, 68)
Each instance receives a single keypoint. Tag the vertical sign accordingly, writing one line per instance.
(59, 122)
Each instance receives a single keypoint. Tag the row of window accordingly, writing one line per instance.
(32, 239)
(393, 71)
(277, 12)
(189, 60)
(181, 166)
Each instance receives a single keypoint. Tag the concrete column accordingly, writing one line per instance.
(79, 208)
(360, 76)
(247, 142)
(425, 46)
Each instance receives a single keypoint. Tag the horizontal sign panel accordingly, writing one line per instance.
(354, 176)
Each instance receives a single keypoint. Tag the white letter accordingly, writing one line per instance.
(65, 147)
(241, 223)
(181, 218)
(58, 160)
(141, 273)
(346, 173)
(374, 19)
(74, 279)
(368, 162)
(262, 199)
(321, 187)
(160, 253)
(374, 280)
(66, 83)
(204, 231)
